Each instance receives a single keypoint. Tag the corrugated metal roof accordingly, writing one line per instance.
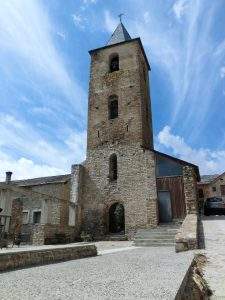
(119, 35)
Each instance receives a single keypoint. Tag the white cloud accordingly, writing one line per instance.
(110, 22)
(180, 7)
(79, 21)
(77, 143)
(31, 148)
(146, 17)
(209, 161)
(55, 99)
(61, 34)
(182, 53)
(220, 49)
(42, 110)
(24, 168)
(89, 1)
(26, 36)
(86, 3)
(222, 72)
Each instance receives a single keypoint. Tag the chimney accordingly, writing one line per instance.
(8, 177)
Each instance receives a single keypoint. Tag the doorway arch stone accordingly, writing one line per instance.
(116, 218)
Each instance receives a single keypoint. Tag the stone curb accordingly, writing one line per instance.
(22, 259)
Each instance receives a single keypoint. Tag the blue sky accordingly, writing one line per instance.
(44, 73)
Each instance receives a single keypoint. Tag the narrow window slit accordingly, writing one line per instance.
(114, 63)
(113, 107)
(113, 167)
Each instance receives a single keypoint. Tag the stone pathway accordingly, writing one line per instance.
(214, 232)
(121, 272)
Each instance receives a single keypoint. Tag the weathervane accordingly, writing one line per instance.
(120, 16)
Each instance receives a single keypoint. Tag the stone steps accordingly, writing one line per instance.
(155, 236)
(118, 237)
(163, 235)
(151, 244)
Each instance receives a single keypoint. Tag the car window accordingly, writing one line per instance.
(214, 200)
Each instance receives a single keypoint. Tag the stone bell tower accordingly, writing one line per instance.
(119, 101)
(120, 166)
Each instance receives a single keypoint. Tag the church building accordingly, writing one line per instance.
(124, 183)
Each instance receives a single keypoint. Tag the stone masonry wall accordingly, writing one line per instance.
(16, 217)
(53, 201)
(38, 235)
(213, 189)
(5, 201)
(187, 236)
(75, 208)
(135, 188)
(130, 84)
(129, 136)
(190, 189)
(21, 259)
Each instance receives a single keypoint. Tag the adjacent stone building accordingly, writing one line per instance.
(211, 186)
(124, 184)
(38, 208)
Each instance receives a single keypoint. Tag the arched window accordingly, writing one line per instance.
(113, 167)
(113, 107)
(114, 63)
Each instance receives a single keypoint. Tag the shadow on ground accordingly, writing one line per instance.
(201, 234)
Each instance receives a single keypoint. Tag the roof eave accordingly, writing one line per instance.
(218, 177)
(124, 42)
(183, 162)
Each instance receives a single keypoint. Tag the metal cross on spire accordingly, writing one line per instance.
(120, 16)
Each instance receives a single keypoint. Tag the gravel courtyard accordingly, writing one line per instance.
(129, 273)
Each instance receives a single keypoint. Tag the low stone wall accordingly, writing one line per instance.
(194, 286)
(24, 258)
(187, 236)
(50, 232)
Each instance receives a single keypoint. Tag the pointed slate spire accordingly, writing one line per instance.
(119, 35)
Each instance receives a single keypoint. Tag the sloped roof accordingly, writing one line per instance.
(180, 161)
(119, 35)
(40, 180)
(208, 178)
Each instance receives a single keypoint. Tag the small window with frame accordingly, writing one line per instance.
(25, 217)
(37, 217)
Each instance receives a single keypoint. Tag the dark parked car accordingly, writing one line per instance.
(214, 206)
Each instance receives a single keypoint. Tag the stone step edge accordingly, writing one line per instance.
(154, 245)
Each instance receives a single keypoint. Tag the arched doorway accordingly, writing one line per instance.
(116, 218)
